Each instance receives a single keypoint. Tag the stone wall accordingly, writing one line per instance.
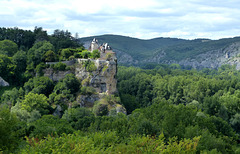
(68, 63)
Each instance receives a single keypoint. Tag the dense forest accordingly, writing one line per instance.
(169, 110)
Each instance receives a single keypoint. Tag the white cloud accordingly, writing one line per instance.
(142, 18)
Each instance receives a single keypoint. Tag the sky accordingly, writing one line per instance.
(144, 19)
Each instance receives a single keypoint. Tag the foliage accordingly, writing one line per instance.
(85, 90)
(7, 68)
(35, 101)
(86, 54)
(105, 68)
(49, 125)
(50, 56)
(8, 48)
(100, 109)
(39, 85)
(59, 66)
(108, 142)
(69, 82)
(39, 69)
(8, 128)
(10, 97)
(65, 54)
(89, 66)
(95, 54)
(108, 56)
(62, 39)
(36, 53)
(23, 38)
(79, 118)
(20, 60)
(169, 110)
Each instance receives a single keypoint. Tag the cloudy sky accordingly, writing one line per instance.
(144, 19)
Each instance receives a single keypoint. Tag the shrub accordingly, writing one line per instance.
(86, 54)
(95, 54)
(108, 56)
(90, 66)
(100, 109)
(71, 58)
(87, 90)
(60, 66)
(39, 69)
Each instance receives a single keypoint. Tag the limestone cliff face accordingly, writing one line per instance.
(102, 78)
(56, 75)
(209, 59)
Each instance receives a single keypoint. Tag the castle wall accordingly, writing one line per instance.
(68, 63)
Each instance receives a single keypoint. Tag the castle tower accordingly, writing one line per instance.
(94, 45)
(227, 55)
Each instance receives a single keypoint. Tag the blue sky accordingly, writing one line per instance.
(143, 19)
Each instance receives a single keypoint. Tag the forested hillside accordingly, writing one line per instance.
(198, 53)
(169, 110)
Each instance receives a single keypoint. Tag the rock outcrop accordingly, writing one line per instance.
(209, 59)
(56, 75)
(102, 78)
(3, 82)
(98, 78)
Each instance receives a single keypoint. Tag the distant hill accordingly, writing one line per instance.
(196, 53)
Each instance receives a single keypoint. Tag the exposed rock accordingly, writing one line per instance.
(121, 109)
(3, 82)
(58, 111)
(102, 79)
(209, 59)
(87, 100)
(98, 76)
(125, 58)
(56, 75)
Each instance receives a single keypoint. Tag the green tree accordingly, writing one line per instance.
(49, 56)
(20, 60)
(65, 54)
(79, 118)
(86, 54)
(71, 83)
(36, 53)
(39, 69)
(49, 125)
(10, 97)
(8, 48)
(7, 69)
(95, 54)
(39, 85)
(38, 102)
(8, 128)
(60, 66)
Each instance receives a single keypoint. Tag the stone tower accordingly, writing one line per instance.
(94, 45)
(227, 55)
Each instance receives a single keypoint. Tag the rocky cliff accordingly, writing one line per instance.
(102, 77)
(98, 76)
(209, 59)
